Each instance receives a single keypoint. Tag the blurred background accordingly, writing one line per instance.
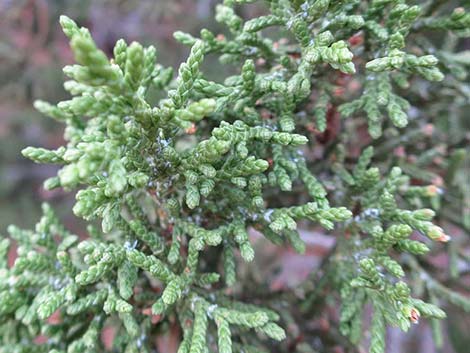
(33, 51)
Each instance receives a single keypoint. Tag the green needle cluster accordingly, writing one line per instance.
(179, 183)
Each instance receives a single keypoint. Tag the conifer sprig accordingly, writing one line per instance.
(179, 183)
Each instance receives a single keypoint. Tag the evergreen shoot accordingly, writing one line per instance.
(344, 116)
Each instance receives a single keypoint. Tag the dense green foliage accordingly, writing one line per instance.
(178, 183)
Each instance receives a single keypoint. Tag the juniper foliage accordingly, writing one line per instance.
(176, 184)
